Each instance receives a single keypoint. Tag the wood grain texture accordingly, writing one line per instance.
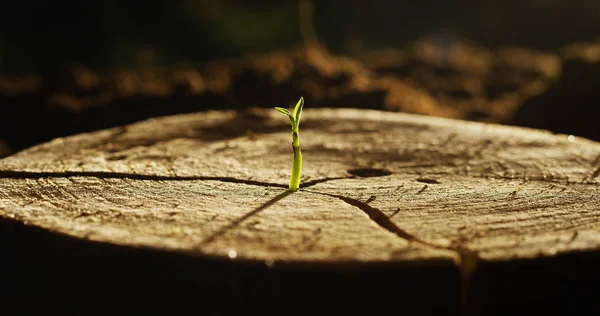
(454, 211)
(377, 186)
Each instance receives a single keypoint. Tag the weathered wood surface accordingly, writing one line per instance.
(377, 187)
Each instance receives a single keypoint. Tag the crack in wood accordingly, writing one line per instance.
(428, 180)
(467, 264)
(595, 174)
(466, 260)
(311, 183)
(11, 174)
(382, 220)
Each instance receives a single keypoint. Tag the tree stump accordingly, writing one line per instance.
(394, 211)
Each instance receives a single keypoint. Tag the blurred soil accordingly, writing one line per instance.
(508, 85)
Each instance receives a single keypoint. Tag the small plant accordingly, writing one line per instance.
(297, 159)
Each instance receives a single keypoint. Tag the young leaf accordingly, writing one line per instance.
(286, 112)
(298, 110)
(283, 111)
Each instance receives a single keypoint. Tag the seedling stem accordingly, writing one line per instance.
(297, 154)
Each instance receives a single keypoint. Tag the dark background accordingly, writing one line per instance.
(39, 36)
(49, 50)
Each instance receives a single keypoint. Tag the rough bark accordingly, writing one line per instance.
(451, 199)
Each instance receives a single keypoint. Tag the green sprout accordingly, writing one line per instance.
(297, 159)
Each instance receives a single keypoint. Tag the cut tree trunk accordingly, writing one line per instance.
(394, 209)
